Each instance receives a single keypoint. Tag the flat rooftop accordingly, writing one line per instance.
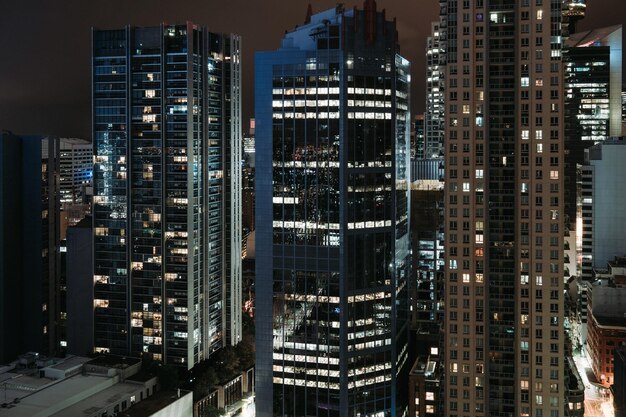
(154, 403)
(70, 362)
(49, 393)
(111, 361)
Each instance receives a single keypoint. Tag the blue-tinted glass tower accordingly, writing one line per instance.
(333, 259)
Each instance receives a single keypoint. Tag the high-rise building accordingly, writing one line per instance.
(76, 162)
(435, 92)
(75, 187)
(167, 191)
(593, 104)
(333, 261)
(30, 268)
(504, 338)
(572, 12)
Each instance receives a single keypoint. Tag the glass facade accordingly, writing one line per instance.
(332, 128)
(593, 76)
(164, 125)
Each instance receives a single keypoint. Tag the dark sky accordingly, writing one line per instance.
(45, 47)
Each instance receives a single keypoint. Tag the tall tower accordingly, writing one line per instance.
(504, 341)
(167, 192)
(30, 245)
(332, 129)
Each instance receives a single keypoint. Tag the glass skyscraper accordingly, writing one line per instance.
(333, 259)
(593, 87)
(167, 192)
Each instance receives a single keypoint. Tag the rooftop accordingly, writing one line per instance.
(608, 306)
(112, 361)
(154, 403)
(594, 37)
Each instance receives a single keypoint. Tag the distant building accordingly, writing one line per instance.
(427, 237)
(247, 180)
(603, 197)
(417, 137)
(30, 244)
(76, 169)
(434, 121)
(428, 172)
(75, 181)
(79, 277)
(572, 12)
(592, 61)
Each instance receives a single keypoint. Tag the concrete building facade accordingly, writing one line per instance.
(504, 338)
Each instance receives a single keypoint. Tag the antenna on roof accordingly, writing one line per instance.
(309, 13)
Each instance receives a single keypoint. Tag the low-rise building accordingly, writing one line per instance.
(606, 327)
(574, 391)
(80, 386)
(424, 387)
(619, 382)
(234, 396)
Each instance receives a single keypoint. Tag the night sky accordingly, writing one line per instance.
(45, 47)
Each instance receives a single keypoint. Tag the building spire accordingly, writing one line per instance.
(309, 13)
(369, 7)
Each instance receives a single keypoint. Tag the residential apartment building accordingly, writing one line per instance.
(167, 191)
(504, 338)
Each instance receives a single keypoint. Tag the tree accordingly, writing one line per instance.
(168, 376)
(227, 363)
(205, 383)
(245, 351)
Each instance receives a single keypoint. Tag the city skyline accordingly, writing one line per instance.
(63, 107)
